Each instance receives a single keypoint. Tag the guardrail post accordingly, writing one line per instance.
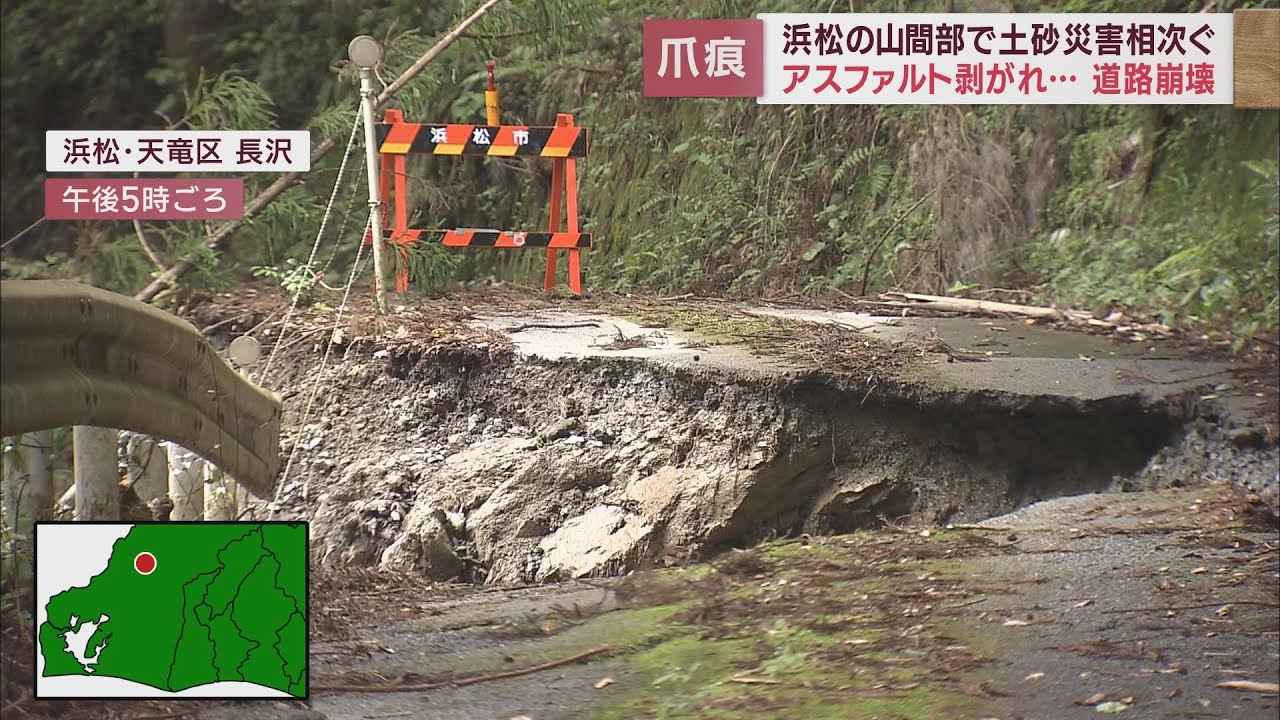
(219, 495)
(97, 474)
(148, 465)
(186, 483)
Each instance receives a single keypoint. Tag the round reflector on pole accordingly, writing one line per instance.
(364, 51)
(245, 351)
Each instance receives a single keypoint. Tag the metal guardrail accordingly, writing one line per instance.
(72, 354)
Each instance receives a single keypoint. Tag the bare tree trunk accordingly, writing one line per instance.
(186, 483)
(97, 473)
(26, 486)
(17, 512)
(219, 494)
(36, 451)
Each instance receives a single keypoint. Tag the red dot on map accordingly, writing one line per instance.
(144, 563)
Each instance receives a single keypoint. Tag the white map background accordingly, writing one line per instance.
(69, 555)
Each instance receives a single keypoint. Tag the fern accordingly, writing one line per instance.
(858, 156)
(878, 179)
(227, 102)
(334, 121)
(431, 266)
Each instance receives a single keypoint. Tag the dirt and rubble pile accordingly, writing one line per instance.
(501, 469)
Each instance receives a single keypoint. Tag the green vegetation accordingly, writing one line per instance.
(808, 630)
(856, 627)
(1192, 226)
(1165, 210)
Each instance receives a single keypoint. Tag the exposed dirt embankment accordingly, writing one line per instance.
(466, 462)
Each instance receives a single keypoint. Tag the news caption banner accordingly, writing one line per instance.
(959, 58)
(170, 151)
(171, 610)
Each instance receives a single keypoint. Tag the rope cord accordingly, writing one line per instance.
(346, 217)
(315, 385)
(337, 183)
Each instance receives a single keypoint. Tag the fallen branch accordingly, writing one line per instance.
(277, 188)
(980, 307)
(216, 240)
(754, 680)
(1010, 291)
(223, 323)
(464, 681)
(550, 326)
(1191, 607)
(1268, 688)
(956, 606)
(431, 54)
(146, 246)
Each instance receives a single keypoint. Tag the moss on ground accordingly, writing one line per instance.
(626, 631)
(850, 627)
(883, 625)
(824, 346)
(715, 325)
(802, 630)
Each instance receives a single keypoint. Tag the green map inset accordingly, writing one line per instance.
(222, 602)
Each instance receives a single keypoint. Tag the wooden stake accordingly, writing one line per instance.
(983, 307)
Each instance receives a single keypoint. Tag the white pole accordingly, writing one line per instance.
(97, 473)
(25, 485)
(219, 494)
(148, 467)
(186, 483)
(371, 163)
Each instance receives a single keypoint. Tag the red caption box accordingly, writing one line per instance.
(703, 58)
(143, 199)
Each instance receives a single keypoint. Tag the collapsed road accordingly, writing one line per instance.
(941, 538)
(637, 508)
(550, 444)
